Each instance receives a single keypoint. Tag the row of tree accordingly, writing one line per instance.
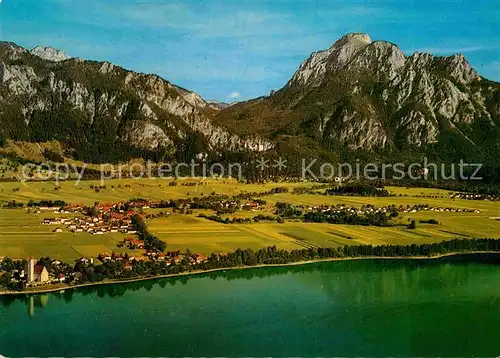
(343, 217)
(357, 189)
(151, 242)
(272, 255)
(256, 218)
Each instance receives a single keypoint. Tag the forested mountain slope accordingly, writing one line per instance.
(365, 95)
(359, 97)
(102, 112)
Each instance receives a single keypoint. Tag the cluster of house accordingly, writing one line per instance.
(107, 219)
(111, 218)
(231, 206)
(251, 206)
(68, 209)
(128, 261)
(415, 208)
(425, 207)
(36, 274)
(468, 196)
(132, 243)
(93, 225)
(175, 257)
(370, 209)
(169, 257)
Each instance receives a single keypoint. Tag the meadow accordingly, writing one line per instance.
(201, 235)
(22, 234)
(182, 231)
(85, 192)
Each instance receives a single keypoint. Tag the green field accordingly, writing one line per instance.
(22, 235)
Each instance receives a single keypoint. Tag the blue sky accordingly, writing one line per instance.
(236, 50)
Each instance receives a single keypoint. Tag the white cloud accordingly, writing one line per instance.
(203, 22)
(234, 95)
(452, 50)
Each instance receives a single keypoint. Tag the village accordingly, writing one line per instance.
(97, 220)
(45, 271)
(116, 218)
(37, 272)
(469, 196)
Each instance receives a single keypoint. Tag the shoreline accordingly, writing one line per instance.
(198, 272)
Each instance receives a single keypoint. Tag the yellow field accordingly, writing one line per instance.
(461, 224)
(487, 208)
(201, 235)
(22, 235)
(124, 189)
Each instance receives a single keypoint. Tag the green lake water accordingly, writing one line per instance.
(447, 307)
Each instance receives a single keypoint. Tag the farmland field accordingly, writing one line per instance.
(84, 192)
(200, 235)
(22, 235)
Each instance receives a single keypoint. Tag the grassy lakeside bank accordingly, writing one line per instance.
(61, 287)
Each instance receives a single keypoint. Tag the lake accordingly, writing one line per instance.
(445, 307)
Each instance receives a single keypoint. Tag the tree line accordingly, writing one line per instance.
(272, 255)
(332, 217)
(246, 257)
(357, 189)
(235, 220)
(151, 242)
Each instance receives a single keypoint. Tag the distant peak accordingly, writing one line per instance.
(49, 53)
(218, 105)
(356, 36)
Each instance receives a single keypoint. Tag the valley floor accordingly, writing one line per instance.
(22, 234)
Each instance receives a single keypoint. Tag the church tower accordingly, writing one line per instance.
(31, 269)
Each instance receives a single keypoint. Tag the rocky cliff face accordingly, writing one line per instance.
(370, 95)
(46, 95)
(49, 53)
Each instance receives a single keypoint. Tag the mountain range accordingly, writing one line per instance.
(357, 98)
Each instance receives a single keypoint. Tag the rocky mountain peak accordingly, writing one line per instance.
(356, 52)
(461, 69)
(341, 52)
(355, 37)
(12, 50)
(122, 111)
(50, 54)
